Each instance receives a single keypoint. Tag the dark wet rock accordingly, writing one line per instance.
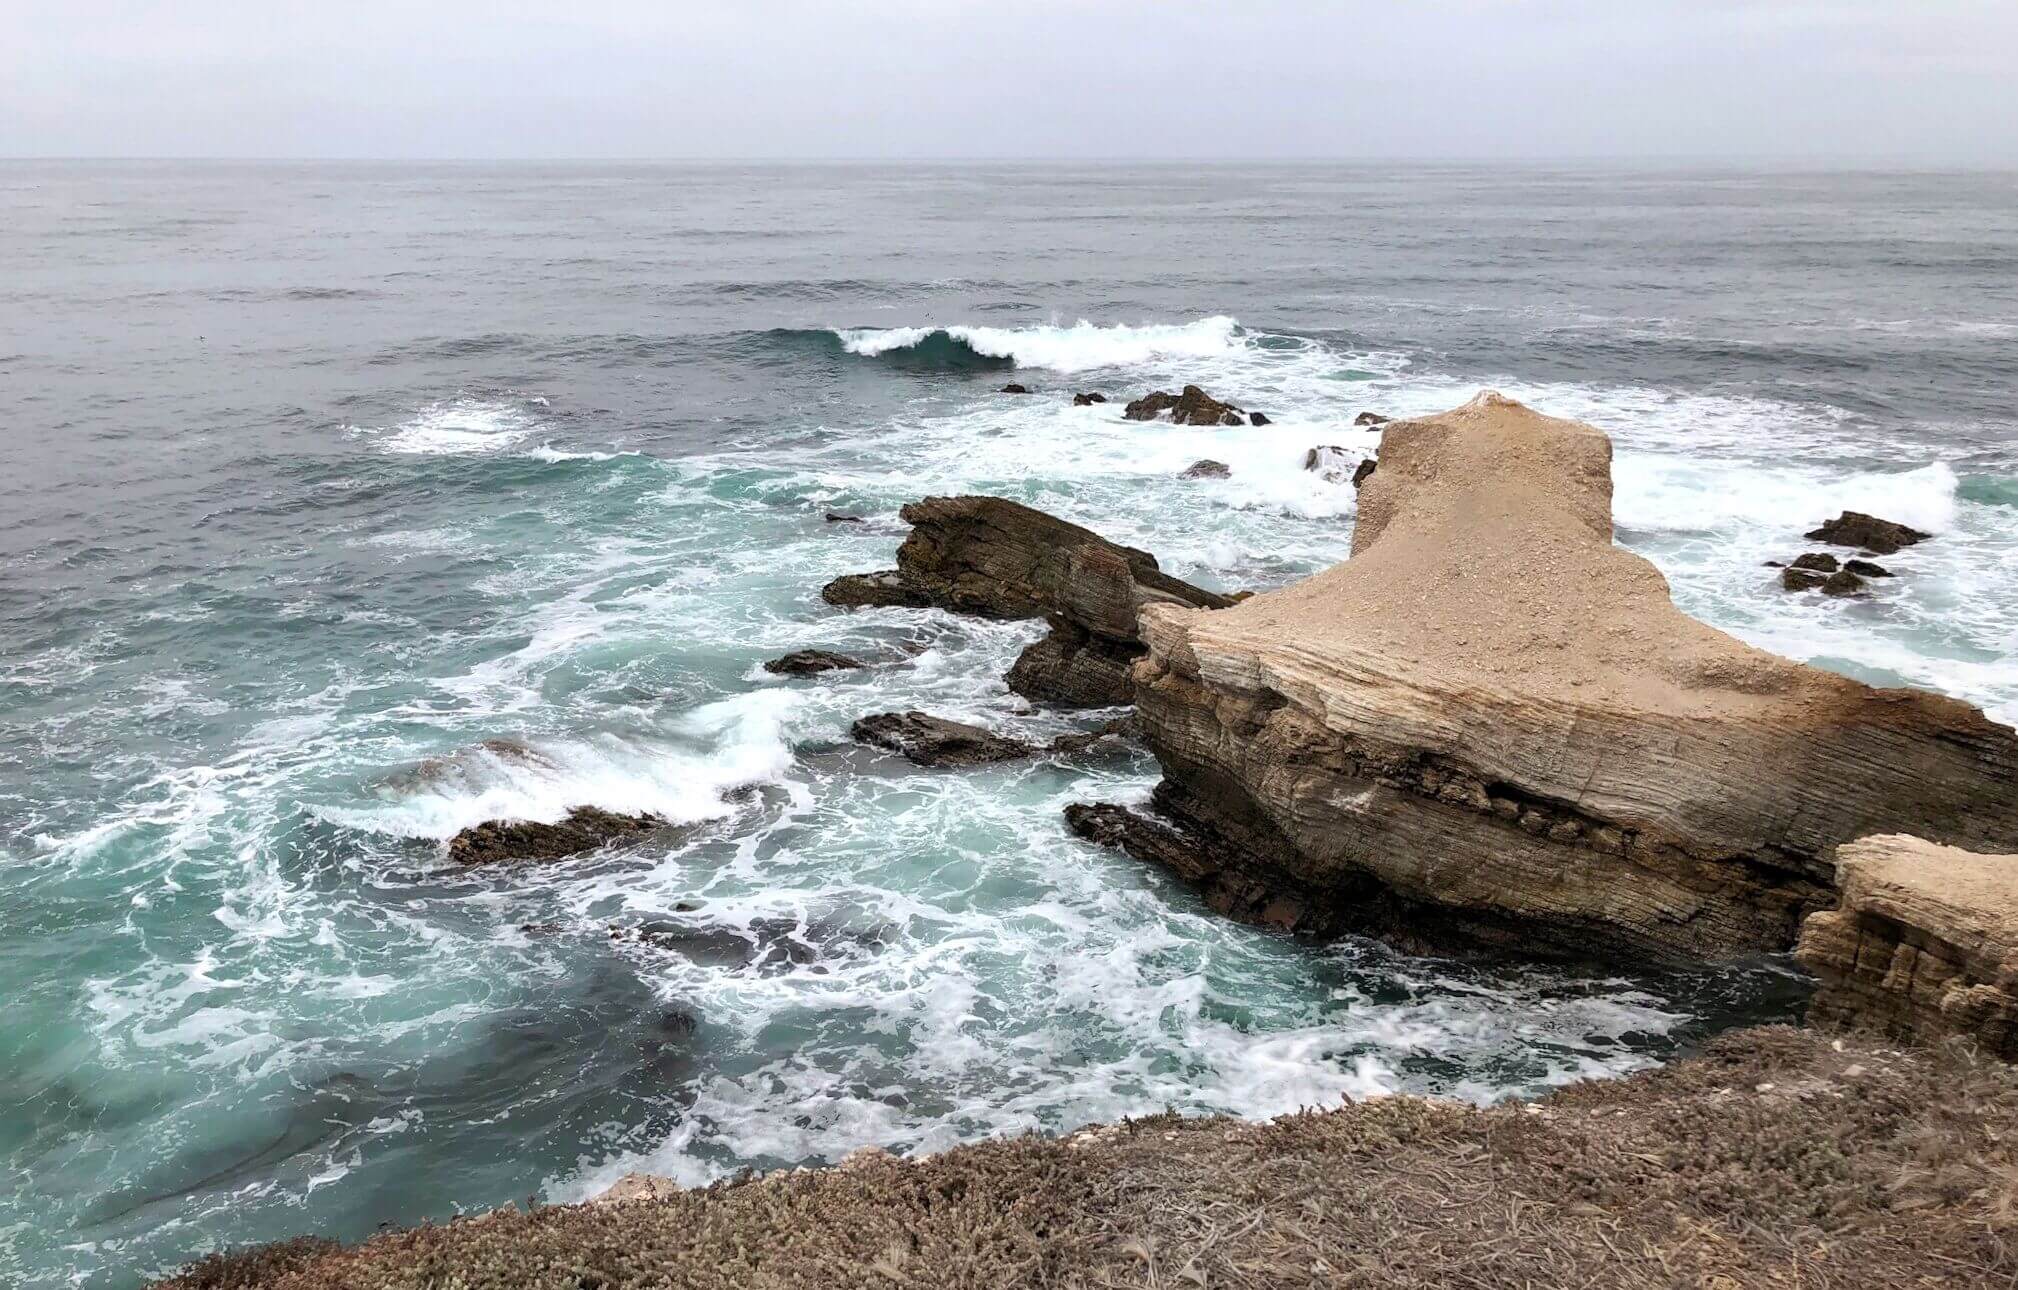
(1854, 528)
(1866, 569)
(1370, 419)
(1073, 667)
(1842, 583)
(584, 829)
(836, 517)
(765, 947)
(883, 589)
(1088, 399)
(810, 662)
(1818, 560)
(935, 741)
(1198, 859)
(1776, 564)
(1194, 407)
(1206, 468)
(1330, 461)
(1014, 388)
(1801, 579)
(1115, 731)
(1258, 419)
(1362, 471)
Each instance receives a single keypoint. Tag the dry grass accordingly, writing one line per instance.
(1774, 1159)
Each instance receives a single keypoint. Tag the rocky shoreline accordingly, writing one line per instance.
(1490, 727)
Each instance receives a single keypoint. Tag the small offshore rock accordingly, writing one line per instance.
(1207, 468)
(1866, 569)
(1258, 419)
(1194, 407)
(936, 741)
(1820, 560)
(1370, 419)
(1119, 728)
(1842, 583)
(1854, 528)
(810, 662)
(583, 829)
(1014, 388)
(836, 517)
(1801, 579)
(1088, 399)
(885, 588)
(1360, 473)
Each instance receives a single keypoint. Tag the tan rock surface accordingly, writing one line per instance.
(1493, 718)
(1925, 944)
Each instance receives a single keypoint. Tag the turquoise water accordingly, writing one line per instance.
(356, 506)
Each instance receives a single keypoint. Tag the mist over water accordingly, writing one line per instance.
(348, 506)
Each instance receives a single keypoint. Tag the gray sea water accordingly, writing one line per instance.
(319, 477)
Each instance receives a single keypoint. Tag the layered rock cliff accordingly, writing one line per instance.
(1924, 946)
(1001, 559)
(1493, 723)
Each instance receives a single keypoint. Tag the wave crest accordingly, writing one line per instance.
(1082, 347)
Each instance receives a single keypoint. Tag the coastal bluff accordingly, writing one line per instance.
(1492, 724)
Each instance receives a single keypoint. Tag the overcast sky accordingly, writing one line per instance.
(1934, 81)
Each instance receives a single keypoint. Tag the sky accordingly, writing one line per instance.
(1916, 81)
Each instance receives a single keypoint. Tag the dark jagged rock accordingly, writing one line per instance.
(1072, 667)
(1088, 399)
(584, 829)
(1194, 407)
(1207, 469)
(1362, 471)
(1120, 728)
(1200, 860)
(1369, 420)
(935, 741)
(1866, 569)
(1014, 388)
(1802, 579)
(1819, 560)
(1842, 583)
(1854, 528)
(886, 588)
(1258, 419)
(836, 517)
(1579, 769)
(810, 662)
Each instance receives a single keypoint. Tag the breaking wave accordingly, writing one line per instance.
(1082, 347)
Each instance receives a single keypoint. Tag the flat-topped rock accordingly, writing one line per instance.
(1493, 722)
(936, 741)
(583, 829)
(1923, 946)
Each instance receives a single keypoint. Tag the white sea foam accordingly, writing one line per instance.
(459, 426)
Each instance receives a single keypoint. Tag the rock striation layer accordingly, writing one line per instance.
(1001, 559)
(1494, 724)
(1924, 945)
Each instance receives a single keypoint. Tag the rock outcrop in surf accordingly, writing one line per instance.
(1493, 724)
(1194, 407)
(1923, 946)
(583, 829)
(1001, 559)
(936, 741)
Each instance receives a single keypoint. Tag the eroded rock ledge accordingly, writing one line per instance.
(1499, 720)
(1925, 945)
(1001, 559)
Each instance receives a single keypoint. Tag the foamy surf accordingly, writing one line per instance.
(460, 427)
(1081, 347)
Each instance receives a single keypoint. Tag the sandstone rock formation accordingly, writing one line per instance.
(936, 741)
(1194, 407)
(1854, 528)
(1492, 723)
(584, 829)
(1001, 559)
(1924, 945)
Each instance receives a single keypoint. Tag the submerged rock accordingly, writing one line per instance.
(1854, 528)
(883, 589)
(1014, 388)
(936, 741)
(1923, 946)
(1088, 399)
(1369, 420)
(1198, 860)
(836, 517)
(1206, 468)
(584, 829)
(1118, 729)
(1548, 755)
(810, 662)
(1866, 569)
(1258, 419)
(1194, 407)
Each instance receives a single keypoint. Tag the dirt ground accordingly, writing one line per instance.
(1775, 1158)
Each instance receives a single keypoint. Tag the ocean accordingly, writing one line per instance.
(346, 505)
